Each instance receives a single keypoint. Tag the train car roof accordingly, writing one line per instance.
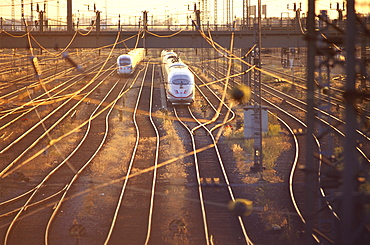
(137, 50)
(177, 65)
(134, 51)
(173, 72)
(124, 55)
(169, 54)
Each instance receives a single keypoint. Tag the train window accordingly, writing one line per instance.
(124, 61)
(172, 57)
(180, 82)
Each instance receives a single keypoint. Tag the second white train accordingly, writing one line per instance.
(178, 79)
(127, 63)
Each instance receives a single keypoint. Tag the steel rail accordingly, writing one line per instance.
(37, 101)
(86, 164)
(223, 170)
(150, 218)
(199, 186)
(133, 154)
(40, 185)
(5, 171)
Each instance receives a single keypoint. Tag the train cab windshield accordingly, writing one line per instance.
(181, 80)
(172, 57)
(124, 61)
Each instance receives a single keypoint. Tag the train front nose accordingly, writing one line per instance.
(181, 92)
(125, 69)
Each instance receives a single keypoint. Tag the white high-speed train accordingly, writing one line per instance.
(126, 63)
(178, 79)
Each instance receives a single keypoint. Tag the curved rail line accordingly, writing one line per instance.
(130, 164)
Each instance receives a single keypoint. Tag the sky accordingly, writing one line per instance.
(160, 8)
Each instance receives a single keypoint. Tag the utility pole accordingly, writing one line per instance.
(257, 122)
(145, 20)
(145, 24)
(325, 62)
(197, 18)
(13, 15)
(41, 17)
(45, 12)
(309, 167)
(22, 11)
(297, 13)
(245, 13)
(69, 16)
(31, 12)
(340, 13)
(58, 14)
(204, 11)
(97, 22)
(215, 14)
(227, 13)
(351, 165)
(106, 14)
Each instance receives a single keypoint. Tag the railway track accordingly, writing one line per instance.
(58, 174)
(289, 168)
(326, 217)
(332, 119)
(212, 181)
(130, 170)
(138, 191)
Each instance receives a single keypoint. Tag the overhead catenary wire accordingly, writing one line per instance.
(230, 55)
(5, 172)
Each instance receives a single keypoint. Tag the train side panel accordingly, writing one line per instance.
(127, 63)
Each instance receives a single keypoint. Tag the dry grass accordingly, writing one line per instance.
(43, 163)
(110, 163)
(274, 215)
(174, 174)
(172, 147)
(273, 145)
(112, 160)
(20, 126)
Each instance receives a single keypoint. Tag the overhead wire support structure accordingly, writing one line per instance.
(309, 163)
(245, 13)
(350, 205)
(257, 110)
(325, 62)
(351, 200)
